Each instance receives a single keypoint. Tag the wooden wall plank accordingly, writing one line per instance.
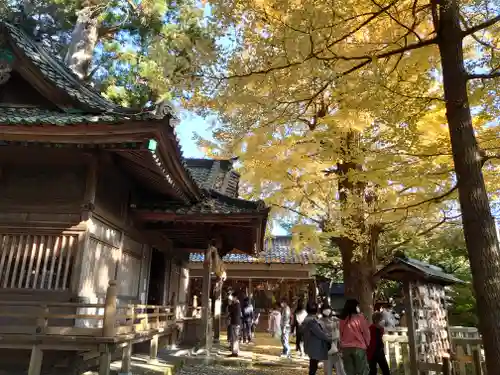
(71, 245)
(64, 252)
(36, 240)
(55, 253)
(47, 253)
(20, 248)
(25, 257)
(39, 253)
(3, 253)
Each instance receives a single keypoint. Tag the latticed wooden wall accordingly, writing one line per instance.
(431, 322)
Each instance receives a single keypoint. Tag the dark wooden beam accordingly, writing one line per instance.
(199, 218)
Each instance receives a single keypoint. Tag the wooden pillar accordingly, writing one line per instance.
(35, 367)
(217, 310)
(105, 363)
(205, 299)
(109, 322)
(153, 348)
(410, 320)
(126, 360)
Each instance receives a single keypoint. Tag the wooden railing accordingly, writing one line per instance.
(466, 353)
(107, 320)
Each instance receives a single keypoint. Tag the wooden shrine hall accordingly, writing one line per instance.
(98, 215)
(279, 271)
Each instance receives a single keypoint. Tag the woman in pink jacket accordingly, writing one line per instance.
(354, 339)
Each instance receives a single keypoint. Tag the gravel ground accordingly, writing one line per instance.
(224, 370)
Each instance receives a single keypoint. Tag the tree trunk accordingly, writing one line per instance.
(83, 42)
(358, 274)
(357, 246)
(478, 223)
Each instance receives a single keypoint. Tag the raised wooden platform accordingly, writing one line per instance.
(94, 330)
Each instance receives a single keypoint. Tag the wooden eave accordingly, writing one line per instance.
(159, 217)
(105, 134)
(404, 272)
(256, 222)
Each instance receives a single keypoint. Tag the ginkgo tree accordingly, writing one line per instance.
(299, 172)
(312, 62)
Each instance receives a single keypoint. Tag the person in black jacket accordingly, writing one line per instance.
(235, 324)
(247, 314)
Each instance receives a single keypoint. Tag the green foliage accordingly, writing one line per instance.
(147, 50)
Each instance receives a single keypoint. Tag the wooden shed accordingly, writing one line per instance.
(425, 310)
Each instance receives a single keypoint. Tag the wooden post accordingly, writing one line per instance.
(153, 349)
(410, 319)
(476, 361)
(205, 298)
(109, 323)
(105, 363)
(35, 367)
(42, 321)
(126, 360)
(446, 366)
(217, 311)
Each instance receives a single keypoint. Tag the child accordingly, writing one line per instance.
(375, 352)
(331, 324)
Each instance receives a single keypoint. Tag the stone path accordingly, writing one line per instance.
(223, 370)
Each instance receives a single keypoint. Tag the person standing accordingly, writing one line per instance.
(331, 324)
(316, 340)
(285, 327)
(354, 339)
(248, 315)
(255, 322)
(275, 322)
(375, 352)
(298, 318)
(228, 319)
(235, 324)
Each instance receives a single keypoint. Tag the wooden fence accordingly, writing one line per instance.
(466, 355)
(83, 327)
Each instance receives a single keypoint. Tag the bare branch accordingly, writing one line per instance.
(481, 26)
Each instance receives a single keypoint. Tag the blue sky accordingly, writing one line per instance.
(191, 124)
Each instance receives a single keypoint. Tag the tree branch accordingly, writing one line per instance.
(436, 199)
(298, 213)
(481, 26)
(422, 233)
(485, 157)
(489, 75)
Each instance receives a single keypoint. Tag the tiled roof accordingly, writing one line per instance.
(402, 264)
(92, 108)
(213, 203)
(40, 116)
(58, 73)
(217, 175)
(278, 249)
